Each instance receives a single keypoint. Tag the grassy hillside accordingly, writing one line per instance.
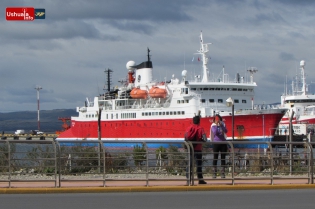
(27, 120)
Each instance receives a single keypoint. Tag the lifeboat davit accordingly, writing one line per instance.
(137, 93)
(156, 92)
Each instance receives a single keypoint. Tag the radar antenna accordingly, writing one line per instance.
(252, 70)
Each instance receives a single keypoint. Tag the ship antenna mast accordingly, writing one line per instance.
(148, 54)
(203, 51)
(108, 73)
(302, 64)
(252, 70)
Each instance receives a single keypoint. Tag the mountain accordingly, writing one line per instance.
(27, 120)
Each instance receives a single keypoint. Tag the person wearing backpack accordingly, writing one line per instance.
(218, 133)
(196, 133)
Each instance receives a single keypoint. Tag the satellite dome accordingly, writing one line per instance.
(130, 64)
(184, 73)
(302, 63)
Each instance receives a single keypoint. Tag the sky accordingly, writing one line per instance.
(66, 53)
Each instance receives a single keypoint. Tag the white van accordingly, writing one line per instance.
(18, 132)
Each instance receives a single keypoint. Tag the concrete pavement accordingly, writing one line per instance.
(154, 186)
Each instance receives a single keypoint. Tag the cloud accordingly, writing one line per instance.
(68, 52)
(286, 56)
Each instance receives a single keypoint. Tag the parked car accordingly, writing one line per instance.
(36, 132)
(19, 132)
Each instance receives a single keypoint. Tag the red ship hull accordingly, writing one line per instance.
(246, 127)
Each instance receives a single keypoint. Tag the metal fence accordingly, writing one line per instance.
(105, 161)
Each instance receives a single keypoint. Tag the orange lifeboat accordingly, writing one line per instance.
(137, 93)
(156, 92)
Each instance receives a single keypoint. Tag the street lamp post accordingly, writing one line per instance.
(38, 121)
(230, 103)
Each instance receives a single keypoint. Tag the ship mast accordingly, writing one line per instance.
(203, 51)
(302, 64)
(108, 73)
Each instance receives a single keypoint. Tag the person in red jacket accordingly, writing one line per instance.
(196, 133)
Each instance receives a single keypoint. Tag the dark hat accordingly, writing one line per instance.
(196, 119)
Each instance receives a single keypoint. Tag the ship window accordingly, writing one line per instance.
(146, 114)
(178, 101)
(187, 101)
(160, 113)
(200, 89)
(220, 100)
(243, 101)
(211, 89)
(174, 112)
(143, 114)
(178, 112)
(149, 113)
(112, 116)
(183, 112)
(205, 88)
(218, 89)
(228, 89)
(223, 89)
(234, 89)
(182, 101)
(194, 89)
(239, 89)
(106, 116)
(236, 101)
(171, 113)
(211, 100)
(167, 113)
(163, 113)
(203, 101)
(244, 89)
(116, 115)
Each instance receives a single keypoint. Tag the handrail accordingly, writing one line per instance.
(272, 161)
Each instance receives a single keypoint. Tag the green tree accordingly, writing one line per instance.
(139, 155)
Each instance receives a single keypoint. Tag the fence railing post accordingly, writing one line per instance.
(271, 162)
(9, 162)
(233, 158)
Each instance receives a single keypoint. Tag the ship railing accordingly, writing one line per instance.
(151, 162)
(308, 112)
(264, 107)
